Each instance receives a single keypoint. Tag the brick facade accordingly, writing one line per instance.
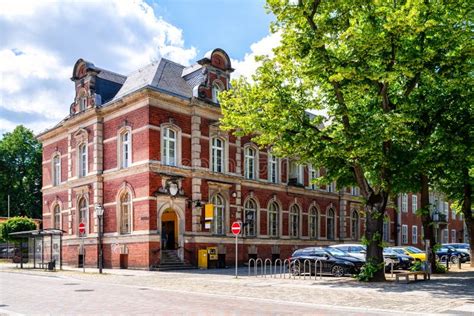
(143, 186)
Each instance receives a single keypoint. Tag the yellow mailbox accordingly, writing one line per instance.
(202, 258)
(212, 251)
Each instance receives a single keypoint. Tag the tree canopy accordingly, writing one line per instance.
(20, 173)
(339, 90)
(15, 224)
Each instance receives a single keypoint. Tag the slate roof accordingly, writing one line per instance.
(164, 75)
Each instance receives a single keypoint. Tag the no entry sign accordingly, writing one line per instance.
(236, 228)
(82, 228)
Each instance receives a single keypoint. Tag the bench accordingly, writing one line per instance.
(406, 276)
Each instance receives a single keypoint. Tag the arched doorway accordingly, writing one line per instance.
(169, 230)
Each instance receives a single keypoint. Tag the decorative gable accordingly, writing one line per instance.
(216, 69)
(84, 76)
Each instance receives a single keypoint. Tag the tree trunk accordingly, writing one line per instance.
(374, 234)
(426, 220)
(467, 211)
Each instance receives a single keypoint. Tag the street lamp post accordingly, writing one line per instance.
(100, 215)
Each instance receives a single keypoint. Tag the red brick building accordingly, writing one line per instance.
(148, 148)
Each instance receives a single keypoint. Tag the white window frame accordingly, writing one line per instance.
(125, 222)
(294, 221)
(82, 103)
(218, 222)
(331, 228)
(295, 169)
(331, 187)
(215, 149)
(83, 214)
(414, 203)
(56, 163)
(355, 191)
(165, 142)
(216, 89)
(355, 229)
(250, 207)
(414, 234)
(273, 169)
(313, 174)
(273, 213)
(57, 216)
(404, 234)
(404, 203)
(445, 236)
(125, 149)
(313, 223)
(250, 163)
(386, 231)
(82, 160)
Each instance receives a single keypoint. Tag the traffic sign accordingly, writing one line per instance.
(236, 228)
(82, 228)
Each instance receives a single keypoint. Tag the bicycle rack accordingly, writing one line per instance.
(287, 263)
(316, 261)
(304, 268)
(256, 266)
(279, 262)
(250, 264)
(265, 267)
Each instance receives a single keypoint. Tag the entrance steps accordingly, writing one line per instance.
(171, 262)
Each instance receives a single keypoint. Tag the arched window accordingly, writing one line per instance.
(56, 170)
(82, 160)
(250, 157)
(313, 223)
(57, 217)
(217, 159)
(273, 219)
(355, 225)
(83, 103)
(216, 89)
(294, 221)
(219, 211)
(82, 212)
(169, 150)
(125, 213)
(330, 224)
(250, 219)
(125, 150)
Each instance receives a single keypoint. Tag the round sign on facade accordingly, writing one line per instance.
(235, 228)
(82, 228)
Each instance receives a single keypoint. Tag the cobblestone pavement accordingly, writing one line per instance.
(451, 293)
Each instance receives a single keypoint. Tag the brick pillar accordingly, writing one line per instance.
(342, 218)
(98, 185)
(238, 157)
(196, 163)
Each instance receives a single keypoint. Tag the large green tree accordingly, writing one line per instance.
(20, 173)
(358, 62)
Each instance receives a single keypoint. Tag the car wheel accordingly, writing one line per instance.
(337, 271)
(454, 259)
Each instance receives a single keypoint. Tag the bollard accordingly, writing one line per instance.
(447, 263)
(459, 263)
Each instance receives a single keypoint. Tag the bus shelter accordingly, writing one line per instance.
(44, 248)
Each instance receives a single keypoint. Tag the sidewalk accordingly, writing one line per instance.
(448, 293)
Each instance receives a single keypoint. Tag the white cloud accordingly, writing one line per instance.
(248, 65)
(41, 40)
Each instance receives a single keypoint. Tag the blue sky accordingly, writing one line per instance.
(229, 24)
(41, 40)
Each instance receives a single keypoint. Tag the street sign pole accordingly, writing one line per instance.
(235, 228)
(236, 254)
(83, 256)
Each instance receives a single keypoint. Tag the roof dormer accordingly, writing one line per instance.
(216, 69)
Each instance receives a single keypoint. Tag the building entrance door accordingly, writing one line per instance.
(169, 230)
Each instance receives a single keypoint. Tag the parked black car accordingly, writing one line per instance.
(404, 262)
(452, 255)
(334, 261)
